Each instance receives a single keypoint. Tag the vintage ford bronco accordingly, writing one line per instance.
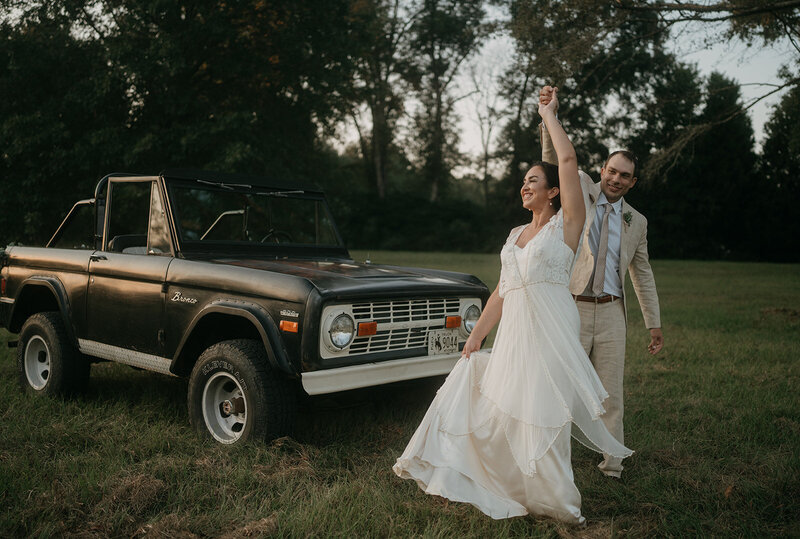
(241, 284)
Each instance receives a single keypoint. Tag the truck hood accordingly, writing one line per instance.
(348, 277)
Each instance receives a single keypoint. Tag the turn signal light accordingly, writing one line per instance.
(288, 326)
(3, 287)
(367, 328)
(452, 321)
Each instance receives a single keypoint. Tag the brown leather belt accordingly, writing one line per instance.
(592, 299)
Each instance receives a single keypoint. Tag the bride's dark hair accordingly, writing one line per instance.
(551, 175)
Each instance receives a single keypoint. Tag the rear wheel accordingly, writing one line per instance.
(234, 396)
(47, 363)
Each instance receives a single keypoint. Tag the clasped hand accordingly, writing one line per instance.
(548, 100)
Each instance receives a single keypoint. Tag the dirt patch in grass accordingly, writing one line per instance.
(792, 316)
(258, 528)
(136, 493)
(596, 530)
(295, 460)
(788, 424)
(671, 458)
(172, 526)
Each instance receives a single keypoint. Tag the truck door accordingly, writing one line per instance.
(125, 303)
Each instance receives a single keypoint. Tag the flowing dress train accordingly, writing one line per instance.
(497, 434)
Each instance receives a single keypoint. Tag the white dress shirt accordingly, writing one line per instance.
(612, 284)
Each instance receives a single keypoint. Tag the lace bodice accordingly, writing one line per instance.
(544, 259)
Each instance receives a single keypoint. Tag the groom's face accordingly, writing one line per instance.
(616, 178)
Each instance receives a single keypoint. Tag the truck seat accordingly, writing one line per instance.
(123, 242)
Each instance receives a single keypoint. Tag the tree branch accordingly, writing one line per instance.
(665, 159)
(733, 10)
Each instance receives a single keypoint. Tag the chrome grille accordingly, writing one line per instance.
(406, 310)
(415, 318)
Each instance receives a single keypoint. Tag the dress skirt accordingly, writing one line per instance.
(497, 434)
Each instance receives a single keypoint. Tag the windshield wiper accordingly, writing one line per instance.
(233, 186)
(281, 193)
(230, 186)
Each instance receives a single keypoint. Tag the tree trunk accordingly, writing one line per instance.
(380, 146)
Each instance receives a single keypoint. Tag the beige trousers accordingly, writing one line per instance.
(603, 337)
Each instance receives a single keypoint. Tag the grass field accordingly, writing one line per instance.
(714, 420)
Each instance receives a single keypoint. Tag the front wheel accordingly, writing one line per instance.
(47, 362)
(235, 396)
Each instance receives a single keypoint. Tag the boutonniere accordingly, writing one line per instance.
(627, 216)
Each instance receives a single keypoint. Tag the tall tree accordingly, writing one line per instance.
(381, 43)
(779, 184)
(445, 34)
(700, 203)
(488, 113)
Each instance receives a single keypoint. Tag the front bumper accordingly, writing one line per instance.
(373, 374)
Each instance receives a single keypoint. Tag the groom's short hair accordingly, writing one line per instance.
(627, 154)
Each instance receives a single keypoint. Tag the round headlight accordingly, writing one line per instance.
(342, 330)
(471, 318)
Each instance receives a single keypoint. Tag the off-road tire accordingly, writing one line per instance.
(47, 362)
(228, 371)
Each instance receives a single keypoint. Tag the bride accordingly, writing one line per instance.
(497, 434)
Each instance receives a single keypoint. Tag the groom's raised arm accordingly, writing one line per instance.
(548, 150)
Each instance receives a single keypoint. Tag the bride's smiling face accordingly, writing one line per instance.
(535, 191)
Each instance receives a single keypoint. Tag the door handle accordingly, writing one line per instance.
(95, 258)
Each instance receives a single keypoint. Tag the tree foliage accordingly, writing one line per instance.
(138, 85)
(91, 87)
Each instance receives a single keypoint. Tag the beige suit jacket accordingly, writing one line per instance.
(633, 257)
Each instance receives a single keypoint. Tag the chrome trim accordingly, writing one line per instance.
(10, 301)
(372, 374)
(123, 355)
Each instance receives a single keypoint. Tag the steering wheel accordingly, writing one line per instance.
(280, 236)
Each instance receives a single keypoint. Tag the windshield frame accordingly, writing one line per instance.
(226, 247)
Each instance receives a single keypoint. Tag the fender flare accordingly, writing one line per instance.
(277, 355)
(58, 291)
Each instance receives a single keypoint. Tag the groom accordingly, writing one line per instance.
(619, 234)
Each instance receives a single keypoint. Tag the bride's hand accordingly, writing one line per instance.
(473, 344)
(548, 100)
(545, 95)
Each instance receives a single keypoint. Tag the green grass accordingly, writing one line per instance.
(714, 421)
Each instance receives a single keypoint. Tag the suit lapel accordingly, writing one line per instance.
(591, 211)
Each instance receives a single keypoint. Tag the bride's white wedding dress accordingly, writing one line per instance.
(497, 434)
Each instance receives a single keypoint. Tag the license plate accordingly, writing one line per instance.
(442, 341)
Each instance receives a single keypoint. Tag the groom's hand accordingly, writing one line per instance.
(656, 341)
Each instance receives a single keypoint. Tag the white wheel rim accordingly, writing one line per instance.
(221, 388)
(37, 362)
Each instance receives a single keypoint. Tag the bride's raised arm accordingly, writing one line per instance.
(570, 192)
